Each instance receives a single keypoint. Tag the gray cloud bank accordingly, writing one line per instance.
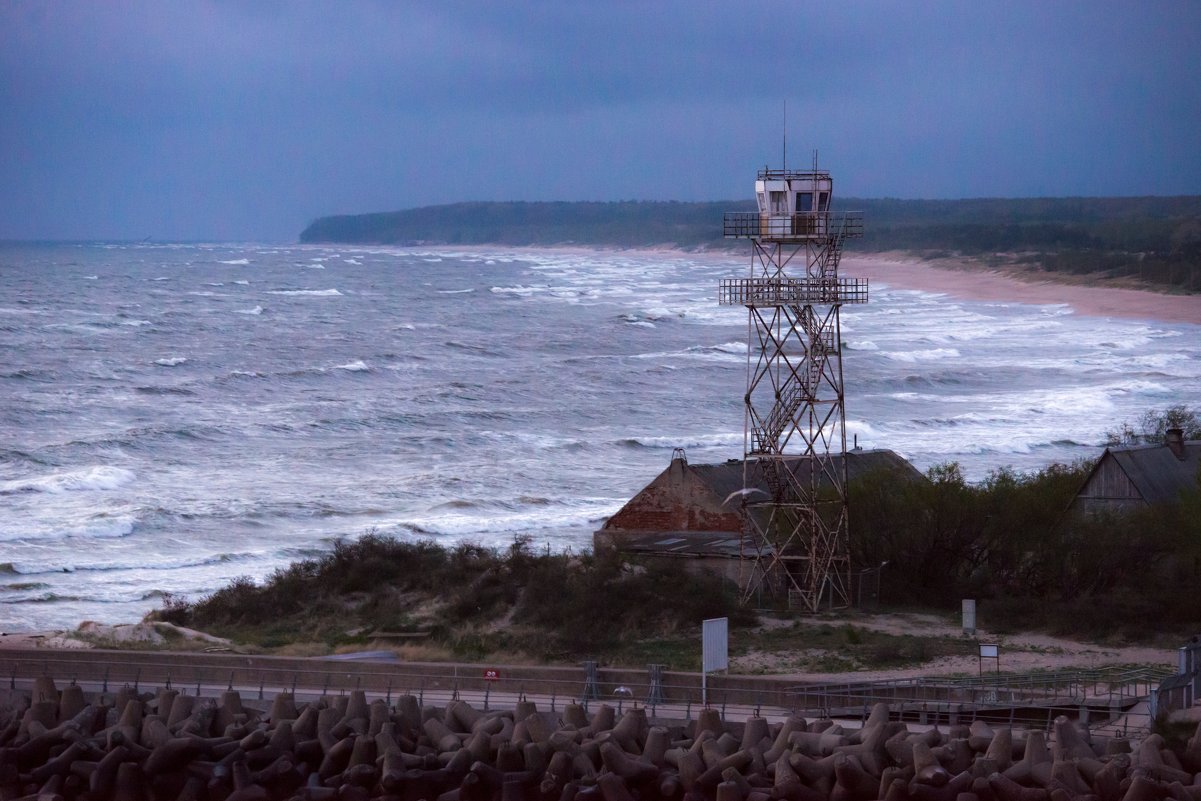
(223, 120)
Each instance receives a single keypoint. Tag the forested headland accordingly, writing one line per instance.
(1153, 241)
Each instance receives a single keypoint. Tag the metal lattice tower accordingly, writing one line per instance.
(795, 535)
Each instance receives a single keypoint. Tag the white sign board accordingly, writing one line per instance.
(715, 644)
(989, 651)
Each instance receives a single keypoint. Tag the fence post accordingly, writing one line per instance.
(591, 690)
(655, 694)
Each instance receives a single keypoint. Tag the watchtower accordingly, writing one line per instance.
(795, 540)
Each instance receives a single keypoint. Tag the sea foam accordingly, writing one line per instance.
(89, 479)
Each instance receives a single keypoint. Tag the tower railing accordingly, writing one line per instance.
(786, 291)
(801, 225)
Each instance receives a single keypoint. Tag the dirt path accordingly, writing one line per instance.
(1020, 653)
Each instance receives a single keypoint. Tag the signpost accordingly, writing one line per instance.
(989, 651)
(491, 674)
(715, 650)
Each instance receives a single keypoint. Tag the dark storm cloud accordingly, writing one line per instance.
(245, 120)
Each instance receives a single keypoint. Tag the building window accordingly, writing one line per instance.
(804, 201)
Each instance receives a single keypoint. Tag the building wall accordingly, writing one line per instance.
(1107, 489)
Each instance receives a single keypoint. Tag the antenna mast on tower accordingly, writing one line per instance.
(795, 537)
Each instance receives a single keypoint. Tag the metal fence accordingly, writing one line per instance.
(1096, 698)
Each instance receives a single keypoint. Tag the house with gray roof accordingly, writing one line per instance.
(1127, 477)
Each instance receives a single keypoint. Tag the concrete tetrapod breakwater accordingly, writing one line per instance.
(131, 746)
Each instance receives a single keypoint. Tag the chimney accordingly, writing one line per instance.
(1174, 439)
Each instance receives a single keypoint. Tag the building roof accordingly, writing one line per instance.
(726, 477)
(1156, 472)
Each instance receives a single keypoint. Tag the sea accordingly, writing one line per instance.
(173, 416)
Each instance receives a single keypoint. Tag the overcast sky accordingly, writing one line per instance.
(245, 120)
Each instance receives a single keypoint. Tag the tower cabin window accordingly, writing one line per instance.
(777, 203)
(804, 202)
(823, 201)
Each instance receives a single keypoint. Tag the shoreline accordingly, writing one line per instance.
(961, 278)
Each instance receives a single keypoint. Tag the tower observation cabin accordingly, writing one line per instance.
(795, 536)
(793, 206)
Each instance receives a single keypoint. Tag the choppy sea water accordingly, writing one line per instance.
(172, 416)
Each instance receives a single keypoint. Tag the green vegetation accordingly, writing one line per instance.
(1140, 240)
(471, 602)
(1009, 543)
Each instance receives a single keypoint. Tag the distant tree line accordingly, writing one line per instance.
(1151, 240)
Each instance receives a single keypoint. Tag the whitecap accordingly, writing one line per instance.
(242, 283)
(91, 277)
(235, 261)
(522, 291)
(686, 440)
(357, 366)
(454, 291)
(255, 310)
(351, 261)
(491, 520)
(922, 355)
(100, 478)
(171, 361)
(312, 292)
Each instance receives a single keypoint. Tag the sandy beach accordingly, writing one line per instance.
(973, 282)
